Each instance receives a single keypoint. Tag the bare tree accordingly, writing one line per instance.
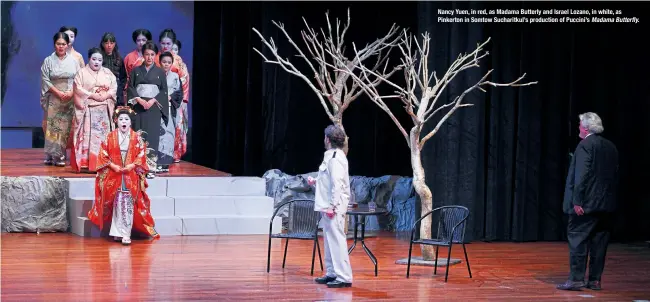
(327, 75)
(419, 95)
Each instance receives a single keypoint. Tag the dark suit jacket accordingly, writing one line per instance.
(592, 180)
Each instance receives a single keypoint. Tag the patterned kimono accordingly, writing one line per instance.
(78, 57)
(92, 121)
(59, 73)
(167, 142)
(180, 145)
(121, 197)
(132, 60)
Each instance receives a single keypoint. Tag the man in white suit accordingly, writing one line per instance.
(332, 199)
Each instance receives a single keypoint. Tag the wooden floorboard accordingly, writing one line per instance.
(29, 162)
(65, 267)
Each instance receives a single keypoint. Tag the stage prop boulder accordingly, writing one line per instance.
(34, 204)
(394, 193)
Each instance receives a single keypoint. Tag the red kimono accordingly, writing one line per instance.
(108, 182)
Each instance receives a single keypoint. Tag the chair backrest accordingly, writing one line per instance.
(301, 215)
(451, 223)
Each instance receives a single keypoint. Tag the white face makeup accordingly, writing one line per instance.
(166, 44)
(95, 61)
(124, 123)
(140, 41)
(166, 63)
(71, 36)
(175, 49)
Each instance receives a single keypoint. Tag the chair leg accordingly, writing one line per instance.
(435, 264)
(286, 247)
(467, 260)
(448, 259)
(320, 258)
(408, 265)
(313, 256)
(268, 258)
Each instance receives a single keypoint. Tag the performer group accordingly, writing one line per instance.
(79, 99)
(145, 94)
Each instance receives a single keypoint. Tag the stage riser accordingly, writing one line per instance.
(193, 226)
(188, 206)
(184, 186)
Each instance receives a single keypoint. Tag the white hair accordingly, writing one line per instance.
(592, 122)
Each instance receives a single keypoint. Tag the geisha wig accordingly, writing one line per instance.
(123, 110)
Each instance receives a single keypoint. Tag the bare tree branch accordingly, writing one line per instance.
(328, 52)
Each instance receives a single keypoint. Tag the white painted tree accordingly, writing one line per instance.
(325, 75)
(420, 95)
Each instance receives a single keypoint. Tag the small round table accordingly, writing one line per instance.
(359, 213)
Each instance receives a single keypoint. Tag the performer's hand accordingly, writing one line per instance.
(311, 181)
(66, 96)
(128, 168)
(330, 213)
(151, 103)
(579, 210)
(115, 168)
(95, 96)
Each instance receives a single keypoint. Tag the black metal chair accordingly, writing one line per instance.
(303, 225)
(451, 230)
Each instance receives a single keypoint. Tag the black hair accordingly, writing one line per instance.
(149, 45)
(178, 43)
(69, 28)
(141, 31)
(93, 51)
(166, 54)
(109, 37)
(167, 33)
(61, 35)
(335, 135)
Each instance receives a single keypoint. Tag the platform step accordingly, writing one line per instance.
(192, 225)
(223, 205)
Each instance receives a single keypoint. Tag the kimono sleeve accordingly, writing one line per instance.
(46, 84)
(131, 92)
(140, 160)
(184, 76)
(80, 94)
(103, 157)
(113, 85)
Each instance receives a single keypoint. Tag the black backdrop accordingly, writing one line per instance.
(505, 158)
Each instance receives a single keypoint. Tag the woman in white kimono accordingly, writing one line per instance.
(166, 145)
(57, 77)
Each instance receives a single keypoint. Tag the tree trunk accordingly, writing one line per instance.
(423, 192)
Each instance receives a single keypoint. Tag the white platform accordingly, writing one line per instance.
(189, 206)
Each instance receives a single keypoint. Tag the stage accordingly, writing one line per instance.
(65, 267)
(187, 200)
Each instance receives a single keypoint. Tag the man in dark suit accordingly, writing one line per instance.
(589, 200)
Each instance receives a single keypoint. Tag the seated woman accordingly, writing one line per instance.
(95, 95)
(120, 184)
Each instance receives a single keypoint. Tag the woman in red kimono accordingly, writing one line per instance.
(120, 197)
(135, 58)
(167, 39)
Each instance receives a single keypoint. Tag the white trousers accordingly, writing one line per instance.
(337, 261)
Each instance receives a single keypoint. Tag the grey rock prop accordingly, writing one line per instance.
(393, 193)
(34, 204)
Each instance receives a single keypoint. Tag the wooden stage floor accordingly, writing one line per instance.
(29, 162)
(65, 267)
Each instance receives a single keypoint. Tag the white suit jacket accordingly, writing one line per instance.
(333, 183)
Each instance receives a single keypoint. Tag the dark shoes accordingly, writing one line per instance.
(325, 279)
(571, 285)
(338, 284)
(332, 282)
(593, 285)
